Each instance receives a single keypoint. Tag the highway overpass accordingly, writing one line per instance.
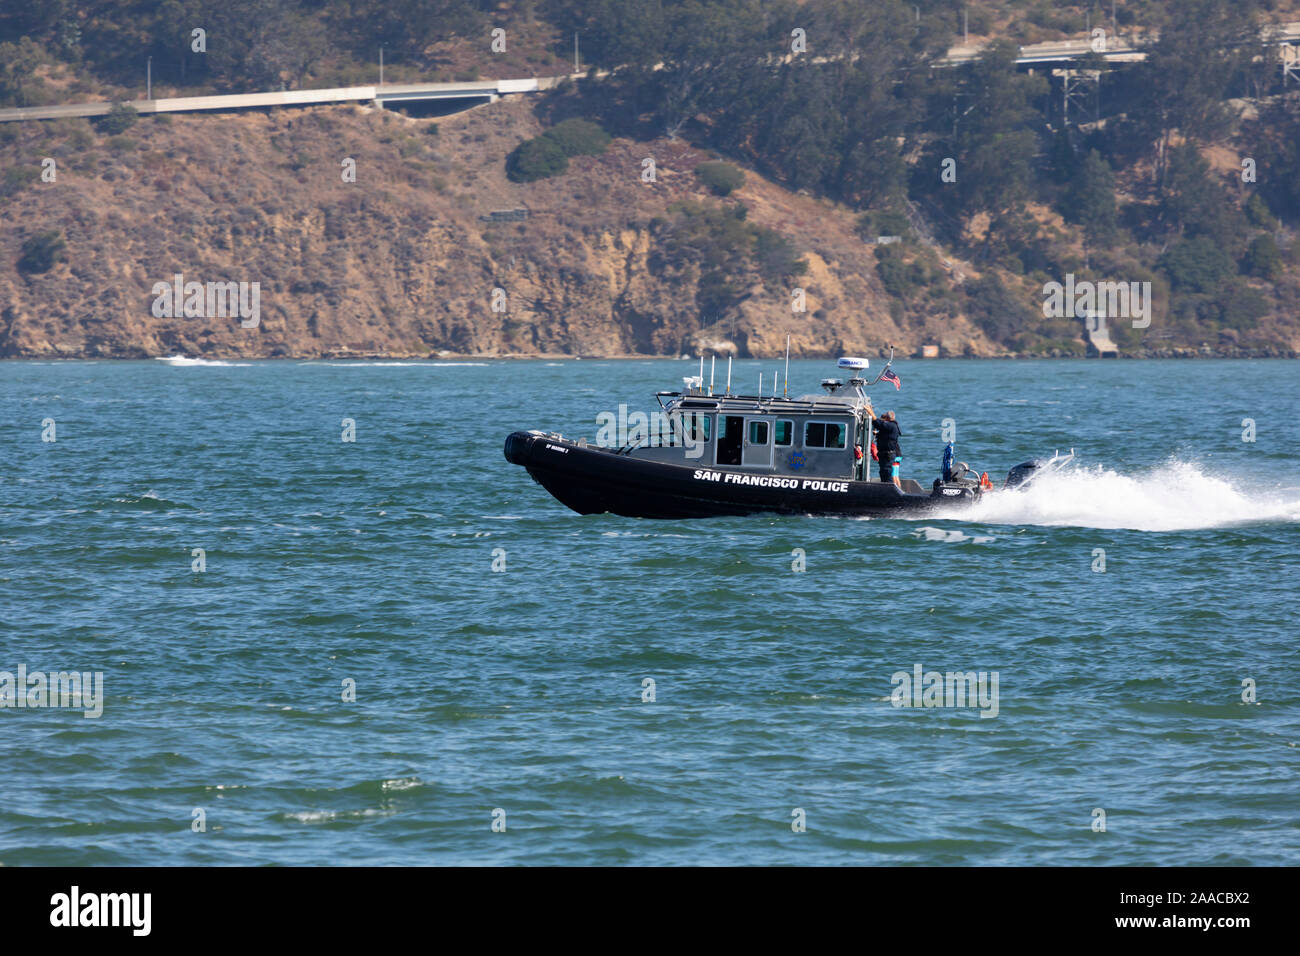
(1117, 49)
(393, 93)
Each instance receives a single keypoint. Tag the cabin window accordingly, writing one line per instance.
(784, 431)
(695, 425)
(824, 435)
(758, 433)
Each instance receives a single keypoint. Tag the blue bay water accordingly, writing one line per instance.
(371, 561)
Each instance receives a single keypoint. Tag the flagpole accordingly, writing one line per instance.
(887, 364)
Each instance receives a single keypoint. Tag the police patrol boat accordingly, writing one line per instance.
(722, 454)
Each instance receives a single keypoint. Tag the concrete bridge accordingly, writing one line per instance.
(486, 90)
(1118, 48)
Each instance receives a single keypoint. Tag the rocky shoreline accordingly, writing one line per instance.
(387, 356)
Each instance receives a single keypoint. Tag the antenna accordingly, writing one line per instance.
(786, 393)
(776, 380)
(701, 373)
(712, 362)
(760, 384)
(728, 374)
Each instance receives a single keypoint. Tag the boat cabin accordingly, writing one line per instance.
(812, 436)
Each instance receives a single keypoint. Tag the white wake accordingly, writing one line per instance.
(182, 361)
(1175, 496)
(397, 364)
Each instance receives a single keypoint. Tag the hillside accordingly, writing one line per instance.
(993, 182)
(399, 262)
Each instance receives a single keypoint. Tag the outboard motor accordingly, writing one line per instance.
(1022, 472)
(956, 481)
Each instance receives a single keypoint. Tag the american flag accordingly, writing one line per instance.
(889, 376)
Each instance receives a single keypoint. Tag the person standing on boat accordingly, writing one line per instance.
(887, 435)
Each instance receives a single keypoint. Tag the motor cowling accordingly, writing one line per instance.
(1023, 472)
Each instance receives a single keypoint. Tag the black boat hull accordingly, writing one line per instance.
(592, 480)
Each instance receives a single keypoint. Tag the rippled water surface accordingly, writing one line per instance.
(371, 561)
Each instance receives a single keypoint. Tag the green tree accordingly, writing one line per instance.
(1090, 200)
(1257, 214)
(1203, 46)
(1274, 143)
(19, 85)
(1197, 265)
(268, 44)
(405, 28)
(1195, 204)
(991, 141)
(1263, 259)
(616, 33)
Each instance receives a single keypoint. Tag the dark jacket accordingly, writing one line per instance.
(887, 435)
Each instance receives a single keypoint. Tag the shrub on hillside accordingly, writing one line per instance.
(728, 252)
(871, 225)
(722, 178)
(579, 137)
(41, 252)
(894, 273)
(1240, 306)
(775, 255)
(117, 120)
(535, 159)
(80, 137)
(994, 309)
(17, 178)
(548, 154)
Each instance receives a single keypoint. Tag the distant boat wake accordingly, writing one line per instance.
(181, 360)
(396, 364)
(184, 361)
(1175, 496)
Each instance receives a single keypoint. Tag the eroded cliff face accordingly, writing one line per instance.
(399, 262)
